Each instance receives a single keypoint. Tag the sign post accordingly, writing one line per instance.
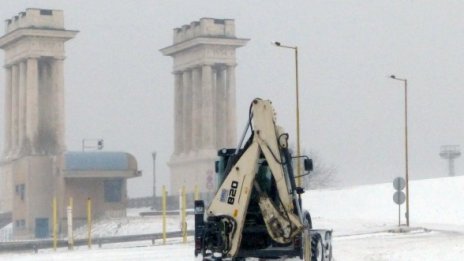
(399, 197)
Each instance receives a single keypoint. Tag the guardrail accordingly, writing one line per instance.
(168, 213)
(35, 245)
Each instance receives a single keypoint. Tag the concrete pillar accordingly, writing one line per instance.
(32, 93)
(58, 100)
(221, 115)
(7, 111)
(187, 130)
(178, 116)
(14, 108)
(22, 105)
(207, 107)
(231, 103)
(196, 108)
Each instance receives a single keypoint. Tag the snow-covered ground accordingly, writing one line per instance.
(6, 233)
(133, 225)
(361, 218)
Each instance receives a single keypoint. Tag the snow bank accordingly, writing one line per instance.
(357, 209)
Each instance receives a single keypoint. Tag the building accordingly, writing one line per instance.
(35, 167)
(204, 102)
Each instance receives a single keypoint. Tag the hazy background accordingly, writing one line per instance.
(119, 87)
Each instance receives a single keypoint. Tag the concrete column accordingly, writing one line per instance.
(58, 101)
(221, 115)
(196, 109)
(207, 107)
(22, 104)
(7, 112)
(187, 130)
(14, 108)
(32, 93)
(178, 117)
(231, 103)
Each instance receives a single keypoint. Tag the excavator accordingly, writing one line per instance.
(256, 211)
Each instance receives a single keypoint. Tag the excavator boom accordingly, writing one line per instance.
(233, 196)
(257, 198)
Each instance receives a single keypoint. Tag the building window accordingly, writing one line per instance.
(113, 190)
(20, 190)
(46, 12)
(20, 223)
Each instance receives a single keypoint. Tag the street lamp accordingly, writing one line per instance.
(405, 140)
(295, 48)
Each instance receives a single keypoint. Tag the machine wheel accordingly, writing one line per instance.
(306, 237)
(317, 249)
(306, 245)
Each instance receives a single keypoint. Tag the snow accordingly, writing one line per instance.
(173, 251)
(6, 233)
(133, 225)
(370, 208)
(361, 218)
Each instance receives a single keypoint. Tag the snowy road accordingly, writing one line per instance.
(420, 245)
(431, 245)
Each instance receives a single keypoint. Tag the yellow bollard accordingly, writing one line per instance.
(197, 193)
(54, 225)
(164, 214)
(89, 222)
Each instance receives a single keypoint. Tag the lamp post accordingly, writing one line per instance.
(295, 48)
(405, 140)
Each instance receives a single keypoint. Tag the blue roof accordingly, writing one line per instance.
(84, 161)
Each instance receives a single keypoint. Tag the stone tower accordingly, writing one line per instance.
(34, 97)
(204, 99)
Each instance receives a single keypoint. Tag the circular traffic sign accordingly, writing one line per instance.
(399, 197)
(399, 183)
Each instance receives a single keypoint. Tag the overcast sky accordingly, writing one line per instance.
(119, 87)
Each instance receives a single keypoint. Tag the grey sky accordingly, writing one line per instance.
(119, 86)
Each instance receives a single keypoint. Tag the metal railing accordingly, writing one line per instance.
(35, 245)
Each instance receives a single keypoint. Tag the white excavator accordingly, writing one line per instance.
(257, 211)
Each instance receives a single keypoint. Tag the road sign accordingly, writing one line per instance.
(399, 197)
(399, 183)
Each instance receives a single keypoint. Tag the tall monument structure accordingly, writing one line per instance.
(34, 115)
(35, 168)
(204, 99)
(34, 94)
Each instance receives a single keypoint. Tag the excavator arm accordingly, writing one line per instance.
(230, 204)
